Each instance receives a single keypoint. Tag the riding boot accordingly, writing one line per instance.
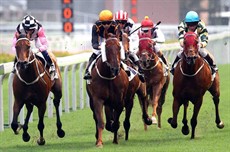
(211, 63)
(141, 73)
(14, 69)
(175, 61)
(91, 59)
(52, 69)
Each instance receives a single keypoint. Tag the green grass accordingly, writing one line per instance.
(80, 130)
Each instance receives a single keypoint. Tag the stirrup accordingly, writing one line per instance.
(53, 75)
(172, 71)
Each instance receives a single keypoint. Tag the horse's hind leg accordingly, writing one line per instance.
(60, 132)
(128, 110)
(25, 135)
(185, 128)
(41, 126)
(57, 98)
(16, 110)
(214, 90)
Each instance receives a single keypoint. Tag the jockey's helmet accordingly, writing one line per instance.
(121, 15)
(192, 16)
(146, 24)
(29, 22)
(106, 15)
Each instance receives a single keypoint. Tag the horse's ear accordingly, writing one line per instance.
(28, 35)
(17, 35)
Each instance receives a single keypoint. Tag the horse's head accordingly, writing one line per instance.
(112, 49)
(23, 53)
(125, 41)
(191, 47)
(146, 53)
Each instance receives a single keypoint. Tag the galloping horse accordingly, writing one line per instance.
(156, 82)
(135, 86)
(108, 88)
(192, 78)
(31, 86)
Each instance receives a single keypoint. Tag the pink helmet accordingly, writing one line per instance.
(121, 15)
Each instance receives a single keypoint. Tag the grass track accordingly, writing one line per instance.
(80, 130)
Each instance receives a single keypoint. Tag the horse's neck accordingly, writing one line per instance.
(192, 68)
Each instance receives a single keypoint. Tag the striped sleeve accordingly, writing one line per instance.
(203, 33)
(181, 30)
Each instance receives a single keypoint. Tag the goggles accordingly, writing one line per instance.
(121, 21)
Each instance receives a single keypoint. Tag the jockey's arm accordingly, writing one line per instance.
(41, 42)
(13, 49)
(95, 38)
(203, 33)
(160, 38)
(181, 30)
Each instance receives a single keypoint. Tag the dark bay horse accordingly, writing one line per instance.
(156, 82)
(31, 86)
(192, 78)
(107, 89)
(135, 87)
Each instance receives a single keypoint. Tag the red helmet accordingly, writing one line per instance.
(146, 23)
(121, 15)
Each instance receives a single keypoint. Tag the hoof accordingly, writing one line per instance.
(147, 121)
(220, 125)
(170, 122)
(185, 130)
(99, 144)
(154, 120)
(26, 137)
(61, 133)
(41, 141)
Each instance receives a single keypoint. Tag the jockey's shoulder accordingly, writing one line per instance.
(201, 24)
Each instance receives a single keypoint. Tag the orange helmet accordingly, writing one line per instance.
(121, 15)
(106, 15)
(146, 23)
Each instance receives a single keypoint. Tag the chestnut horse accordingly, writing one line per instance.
(135, 86)
(31, 86)
(192, 78)
(108, 88)
(156, 80)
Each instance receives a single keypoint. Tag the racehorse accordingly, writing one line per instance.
(135, 86)
(156, 82)
(31, 86)
(192, 78)
(108, 88)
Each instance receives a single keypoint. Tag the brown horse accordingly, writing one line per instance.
(108, 88)
(156, 82)
(192, 78)
(31, 86)
(135, 86)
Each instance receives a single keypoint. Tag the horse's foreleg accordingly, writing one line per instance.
(98, 116)
(196, 110)
(109, 118)
(16, 110)
(175, 108)
(26, 136)
(185, 128)
(41, 126)
(142, 96)
(116, 123)
(155, 99)
(128, 110)
(60, 132)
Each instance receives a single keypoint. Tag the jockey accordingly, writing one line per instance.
(193, 23)
(148, 30)
(105, 18)
(32, 27)
(127, 25)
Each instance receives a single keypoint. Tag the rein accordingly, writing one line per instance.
(152, 67)
(106, 78)
(191, 75)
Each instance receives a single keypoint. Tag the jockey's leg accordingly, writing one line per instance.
(91, 59)
(52, 69)
(136, 61)
(178, 57)
(161, 55)
(205, 54)
(14, 70)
